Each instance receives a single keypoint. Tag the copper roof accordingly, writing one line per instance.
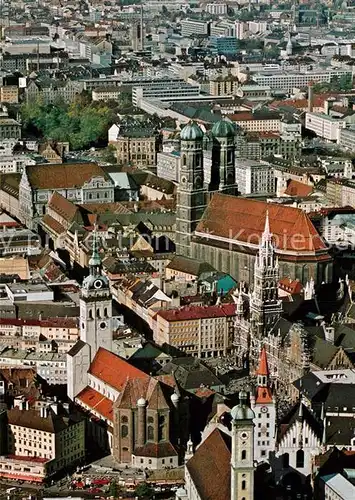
(243, 220)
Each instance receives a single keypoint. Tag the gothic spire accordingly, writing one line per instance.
(95, 259)
(267, 236)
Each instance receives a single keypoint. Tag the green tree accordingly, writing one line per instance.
(114, 489)
(143, 490)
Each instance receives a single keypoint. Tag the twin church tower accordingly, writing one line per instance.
(193, 191)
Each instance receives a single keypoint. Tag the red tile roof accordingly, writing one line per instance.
(294, 287)
(243, 220)
(114, 370)
(263, 395)
(96, 402)
(263, 368)
(296, 188)
(197, 312)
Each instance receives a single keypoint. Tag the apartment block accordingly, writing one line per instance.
(203, 331)
(254, 177)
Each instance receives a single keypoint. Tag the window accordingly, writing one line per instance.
(124, 431)
(244, 485)
(244, 454)
(300, 459)
(150, 433)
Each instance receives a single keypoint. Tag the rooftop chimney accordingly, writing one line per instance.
(310, 97)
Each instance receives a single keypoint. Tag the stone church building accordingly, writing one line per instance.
(215, 226)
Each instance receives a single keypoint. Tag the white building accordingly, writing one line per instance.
(324, 126)
(168, 165)
(239, 30)
(288, 80)
(254, 177)
(337, 487)
(193, 28)
(216, 9)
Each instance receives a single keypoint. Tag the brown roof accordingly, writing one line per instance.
(31, 419)
(62, 176)
(296, 188)
(159, 450)
(53, 224)
(62, 206)
(243, 220)
(153, 391)
(212, 456)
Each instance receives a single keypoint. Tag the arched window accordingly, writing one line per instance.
(183, 160)
(105, 312)
(90, 314)
(98, 313)
(124, 431)
(150, 433)
(161, 428)
(244, 485)
(300, 459)
(244, 454)
(286, 460)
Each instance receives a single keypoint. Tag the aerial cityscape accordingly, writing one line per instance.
(177, 249)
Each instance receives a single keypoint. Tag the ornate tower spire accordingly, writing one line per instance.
(265, 304)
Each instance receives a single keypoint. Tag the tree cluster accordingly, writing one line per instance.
(82, 123)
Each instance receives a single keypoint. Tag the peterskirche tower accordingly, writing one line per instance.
(242, 453)
(96, 306)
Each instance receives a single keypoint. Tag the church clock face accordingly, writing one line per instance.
(244, 436)
(183, 180)
(98, 284)
(263, 409)
(103, 325)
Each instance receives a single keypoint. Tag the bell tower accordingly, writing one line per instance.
(96, 305)
(191, 193)
(223, 157)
